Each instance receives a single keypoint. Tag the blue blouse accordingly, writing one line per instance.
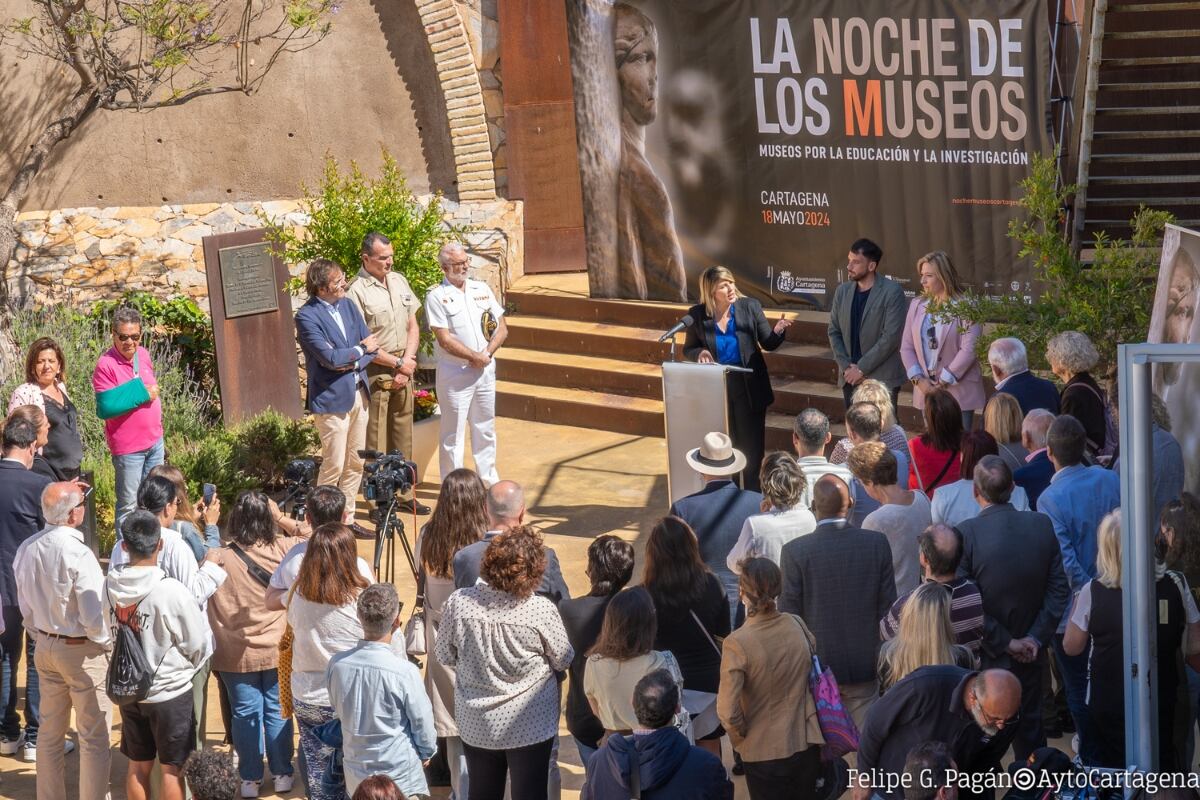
(728, 351)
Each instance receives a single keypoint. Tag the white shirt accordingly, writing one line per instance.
(814, 467)
(60, 586)
(461, 312)
(285, 575)
(764, 535)
(955, 502)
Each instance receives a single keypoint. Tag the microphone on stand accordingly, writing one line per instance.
(684, 322)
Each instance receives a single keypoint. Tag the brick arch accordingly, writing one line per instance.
(455, 62)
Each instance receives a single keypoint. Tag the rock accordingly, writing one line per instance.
(489, 50)
(192, 234)
(493, 103)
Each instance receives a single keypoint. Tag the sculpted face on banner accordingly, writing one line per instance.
(636, 44)
(649, 261)
(1181, 310)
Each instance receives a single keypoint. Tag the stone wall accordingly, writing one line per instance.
(80, 255)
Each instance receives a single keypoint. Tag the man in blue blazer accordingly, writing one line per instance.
(717, 512)
(1010, 370)
(1035, 476)
(337, 348)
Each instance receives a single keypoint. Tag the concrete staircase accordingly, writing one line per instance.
(572, 360)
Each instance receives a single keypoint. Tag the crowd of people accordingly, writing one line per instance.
(949, 581)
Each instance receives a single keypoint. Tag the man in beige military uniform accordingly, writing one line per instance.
(389, 306)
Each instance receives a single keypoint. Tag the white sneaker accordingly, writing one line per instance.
(250, 788)
(9, 747)
(283, 783)
(29, 750)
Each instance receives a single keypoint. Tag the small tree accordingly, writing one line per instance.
(1109, 300)
(350, 206)
(147, 54)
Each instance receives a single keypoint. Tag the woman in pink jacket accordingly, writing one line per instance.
(940, 353)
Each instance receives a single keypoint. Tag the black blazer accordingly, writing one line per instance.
(839, 580)
(20, 518)
(1014, 558)
(753, 331)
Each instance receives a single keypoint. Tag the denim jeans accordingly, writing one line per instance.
(12, 642)
(257, 726)
(132, 469)
(1074, 672)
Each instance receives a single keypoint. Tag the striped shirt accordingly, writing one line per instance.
(966, 614)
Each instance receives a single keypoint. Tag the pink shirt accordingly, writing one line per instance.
(141, 428)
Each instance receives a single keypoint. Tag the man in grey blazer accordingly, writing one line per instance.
(1014, 558)
(839, 580)
(866, 322)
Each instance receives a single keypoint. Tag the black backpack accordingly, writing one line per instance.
(129, 675)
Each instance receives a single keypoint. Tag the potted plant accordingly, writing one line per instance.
(427, 421)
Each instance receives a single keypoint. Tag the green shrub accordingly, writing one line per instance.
(188, 409)
(348, 207)
(251, 455)
(1109, 299)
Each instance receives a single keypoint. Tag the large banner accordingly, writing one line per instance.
(1173, 321)
(768, 135)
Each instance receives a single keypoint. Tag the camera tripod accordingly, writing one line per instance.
(388, 528)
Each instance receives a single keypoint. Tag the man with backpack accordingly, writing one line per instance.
(161, 639)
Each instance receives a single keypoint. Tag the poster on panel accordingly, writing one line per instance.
(1173, 321)
(768, 135)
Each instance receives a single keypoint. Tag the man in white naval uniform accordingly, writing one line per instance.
(469, 325)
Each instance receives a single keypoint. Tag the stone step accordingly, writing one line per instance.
(639, 379)
(633, 343)
(636, 416)
(808, 327)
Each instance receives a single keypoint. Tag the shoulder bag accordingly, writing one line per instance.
(260, 575)
(702, 706)
(932, 486)
(414, 629)
(837, 726)
(124, 398)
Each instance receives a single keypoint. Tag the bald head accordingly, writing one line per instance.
(831, 497)
(941, 549)
(997, 699)
(60, 502)
(505, 505)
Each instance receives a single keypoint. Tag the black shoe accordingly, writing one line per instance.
(413, 506)
(738, 767)
(360, 532)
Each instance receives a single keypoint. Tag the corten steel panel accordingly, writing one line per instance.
(555, 250)
(256, 355)
(534, 52)
(544, 165)
(539, 119)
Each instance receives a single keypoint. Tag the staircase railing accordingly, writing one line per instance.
(1070, 26)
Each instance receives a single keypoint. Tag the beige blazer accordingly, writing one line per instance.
(764, 701)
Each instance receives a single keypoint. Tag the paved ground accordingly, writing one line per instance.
(579, 484)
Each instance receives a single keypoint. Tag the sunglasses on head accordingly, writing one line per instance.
(129, 337)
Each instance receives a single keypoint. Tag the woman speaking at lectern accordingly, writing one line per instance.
(730, 329)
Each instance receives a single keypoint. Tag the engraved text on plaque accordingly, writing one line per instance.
(248, 280)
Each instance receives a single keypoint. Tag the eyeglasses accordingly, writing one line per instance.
(129, 337)
(995, 722)
(463, 263)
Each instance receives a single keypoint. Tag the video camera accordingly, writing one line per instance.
(386, 475)
(298, 476)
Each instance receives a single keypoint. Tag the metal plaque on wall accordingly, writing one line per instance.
(248, 280)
